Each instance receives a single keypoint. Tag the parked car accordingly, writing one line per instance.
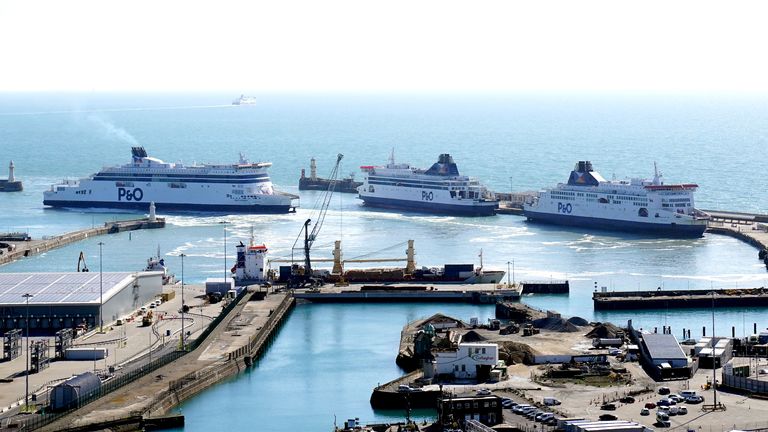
(666, 402)
(608, 407)
(682, 410)
(663, 390)
(694, 399)
(650, 405)
(608, 417)
(763, 371)
(546, 417)
(627, 399)
(483, 392)
(519, 408)
(645, 412)
(506, 402)
(677, 398)
(551, 401)
(673, 410)
(404, 388)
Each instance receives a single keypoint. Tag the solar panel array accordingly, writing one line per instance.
(58, 288)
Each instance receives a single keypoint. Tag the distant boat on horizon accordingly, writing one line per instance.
(244, 100)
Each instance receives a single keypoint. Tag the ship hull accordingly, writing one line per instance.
(666, 229)
(165, 207)
(430, 207)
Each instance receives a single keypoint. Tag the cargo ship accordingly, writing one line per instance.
(313, 182)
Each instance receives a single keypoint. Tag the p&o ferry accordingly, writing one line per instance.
(637, 205)
(439, 189)
(243, 187)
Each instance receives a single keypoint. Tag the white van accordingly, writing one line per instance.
(549, 401)
(688, 393)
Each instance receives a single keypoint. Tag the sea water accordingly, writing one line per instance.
(511, 142)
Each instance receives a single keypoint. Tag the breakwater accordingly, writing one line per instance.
(28, 248)
(668, 299)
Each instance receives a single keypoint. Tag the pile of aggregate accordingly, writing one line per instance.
(472, 336)
(557, 324)
(516, 353)
(604, 330)
(579, 321)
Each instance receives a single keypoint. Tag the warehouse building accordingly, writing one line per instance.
(69, 300)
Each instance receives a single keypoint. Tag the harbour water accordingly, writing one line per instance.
(518, 142)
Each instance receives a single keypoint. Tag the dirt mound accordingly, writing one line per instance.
(579, 321)
(604, 330)
(515, 353)
(472, 336)
(557, 324)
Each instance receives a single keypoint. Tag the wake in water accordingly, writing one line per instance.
(104, 110)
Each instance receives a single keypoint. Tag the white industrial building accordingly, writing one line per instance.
(723, 351)
(67, 300)
(468, 361)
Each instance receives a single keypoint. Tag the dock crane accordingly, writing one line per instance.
(81, 259)
(306, 278)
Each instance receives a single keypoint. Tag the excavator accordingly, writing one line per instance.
(80, 260)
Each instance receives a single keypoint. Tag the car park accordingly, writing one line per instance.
(506, 402)
(673, 410)
(682, 410)
(627, 400)
(645, 412)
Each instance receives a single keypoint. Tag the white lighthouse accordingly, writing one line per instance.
(11, 179)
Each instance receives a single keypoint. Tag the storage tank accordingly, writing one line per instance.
(607, 342)
(66, 394)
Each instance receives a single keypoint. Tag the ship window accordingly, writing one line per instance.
(453, 194)
(643, 212)
(603, 201)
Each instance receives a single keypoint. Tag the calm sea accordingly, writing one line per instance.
(510, 142)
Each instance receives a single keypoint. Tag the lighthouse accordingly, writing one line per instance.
(10, 173)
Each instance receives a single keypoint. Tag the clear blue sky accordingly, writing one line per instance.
(394, 45)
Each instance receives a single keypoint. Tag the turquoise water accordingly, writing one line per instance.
(512, 141)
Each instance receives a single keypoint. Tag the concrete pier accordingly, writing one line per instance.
(661, 299)
(410, 292)
(33, 247)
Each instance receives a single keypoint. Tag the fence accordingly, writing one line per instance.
(36, 422)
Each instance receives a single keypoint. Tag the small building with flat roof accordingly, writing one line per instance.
(664, 349)
(69, 300)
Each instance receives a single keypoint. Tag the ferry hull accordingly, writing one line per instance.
(671, 230)
(430, 207)
(165, 207)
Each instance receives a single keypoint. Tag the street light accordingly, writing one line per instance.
(27, 296)
(182, 301)
(101, 291)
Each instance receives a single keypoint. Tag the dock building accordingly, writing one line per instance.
(69, 300)
(467, 361)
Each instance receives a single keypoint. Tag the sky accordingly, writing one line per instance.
(389, 46)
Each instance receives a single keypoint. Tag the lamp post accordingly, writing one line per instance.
(183, 346)
(27, 296)
(513, 272)
(101, 291)
(508, 273)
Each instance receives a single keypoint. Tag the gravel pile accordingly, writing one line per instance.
(556, 324)
(604, 330)
(472, 336)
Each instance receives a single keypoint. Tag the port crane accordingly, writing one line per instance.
(81, 260)
(301, 279)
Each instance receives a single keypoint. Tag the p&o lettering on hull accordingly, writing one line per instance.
(135, 194)
(564, 208)
(427, 196)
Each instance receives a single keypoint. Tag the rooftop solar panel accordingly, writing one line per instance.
(58, 287)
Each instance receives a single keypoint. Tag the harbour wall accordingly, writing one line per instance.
(34, 247)
(659, 299)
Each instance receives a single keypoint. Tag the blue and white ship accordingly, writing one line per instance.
(243, 187)
(636, 205)
(439, 189)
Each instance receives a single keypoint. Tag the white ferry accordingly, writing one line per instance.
(243, 187)
(244, 100)
(440, 189)
(638, 205)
